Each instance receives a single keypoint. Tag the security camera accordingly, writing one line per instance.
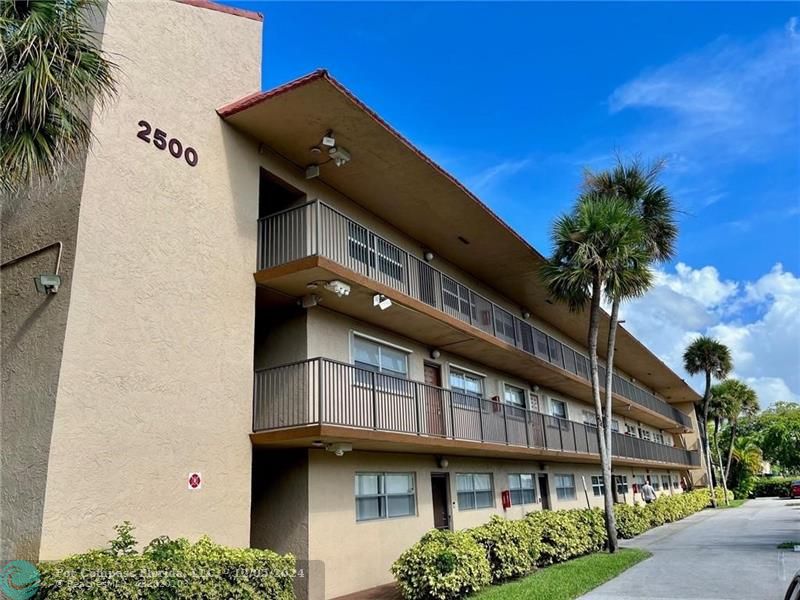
(339, 155)
(309, 300)
(339, 448)
(381, 301)
(340, 288)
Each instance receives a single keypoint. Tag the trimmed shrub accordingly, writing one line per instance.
(772, 486)
(635, 520)
(565, 534)
(444, 565)
(510, 546)
(168, 569)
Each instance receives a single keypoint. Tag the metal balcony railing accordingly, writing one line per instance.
(321, 391)
(317, 229)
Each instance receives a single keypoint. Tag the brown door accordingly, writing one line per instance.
(432, 398)
(544, 491)
(440, 491)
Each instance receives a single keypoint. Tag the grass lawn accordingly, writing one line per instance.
(567, 580)
(734, 503)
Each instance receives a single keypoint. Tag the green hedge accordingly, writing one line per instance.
(635, 520)
(772, 486)
(449, 565)
(168, 569)
(443, 565)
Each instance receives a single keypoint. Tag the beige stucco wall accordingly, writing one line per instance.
(156, 377)
(358, 555)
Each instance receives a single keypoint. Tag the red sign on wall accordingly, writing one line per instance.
(195, 481)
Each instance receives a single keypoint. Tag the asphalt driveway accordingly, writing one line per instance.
(714, 555)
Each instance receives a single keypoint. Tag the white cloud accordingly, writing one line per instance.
(731, 99)
(759, 320)
(491, 175)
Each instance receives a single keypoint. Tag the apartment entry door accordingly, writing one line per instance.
(432, 399)
(440, 494)
(544, 491)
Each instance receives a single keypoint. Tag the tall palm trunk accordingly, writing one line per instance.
(612, 340)
(722, 475)
(605, 455)
(703, 426)
(730, 450)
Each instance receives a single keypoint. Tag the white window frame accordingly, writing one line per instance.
(659, 437)
(589, 418)
(631, 430)
(475, 492)
(574, 494)
(668, 485)
(383, 496)
(615, 425)
(379, 342)
(621, 481)
(461, 397)
(598, 487)
(521, 489)
(505, 384)
(552, 411)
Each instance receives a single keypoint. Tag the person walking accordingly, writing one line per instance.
(648, 492)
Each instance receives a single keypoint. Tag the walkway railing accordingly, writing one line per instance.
(316, 229)
(327, 392)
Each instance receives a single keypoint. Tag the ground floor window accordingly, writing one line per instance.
(655, 483)
(522, 486)
(598, 487)
(665, 482)
(474, 490)
(384, 495)
(565, 487)
(622, 484)
(676, 484)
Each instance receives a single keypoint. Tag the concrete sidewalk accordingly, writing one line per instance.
(714, 555)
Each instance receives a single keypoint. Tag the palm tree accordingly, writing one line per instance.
(51, 71)
(739, 399)
(713, 358)
(719, 410)
(598, 248)
(637, 185)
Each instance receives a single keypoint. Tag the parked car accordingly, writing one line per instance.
(794, 491)
(793, 593)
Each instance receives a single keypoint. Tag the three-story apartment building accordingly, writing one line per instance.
(285, 298)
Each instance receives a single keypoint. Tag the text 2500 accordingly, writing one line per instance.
(173, 144)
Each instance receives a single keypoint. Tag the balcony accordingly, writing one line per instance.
(321, 396)
(316, 229)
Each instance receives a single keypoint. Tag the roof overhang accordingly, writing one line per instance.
(396, 181)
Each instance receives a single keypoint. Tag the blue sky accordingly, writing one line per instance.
(516, 99)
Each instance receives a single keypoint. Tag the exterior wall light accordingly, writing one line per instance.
(526, 314)
(442, 462)
(435, 353)
(340, 288)
(428, 256)
(381, 301)
(339, 448)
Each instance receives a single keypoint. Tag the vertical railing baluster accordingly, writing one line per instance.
(452, 415)
(505, 421)
(480, 417)
(374, 401)
(416, 406)
(527, 433)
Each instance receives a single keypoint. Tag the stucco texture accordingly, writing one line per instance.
(156, 376)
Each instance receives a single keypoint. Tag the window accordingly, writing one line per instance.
(614, 425)
(558, 408)
(676, 484)
(384, 495)
(659, 437)
(622, 484)
(630, 430)
(514, 395)
(654, 481)
(504, 325)
(522, 488)
(468, 388)
(565, 487)
(474, 490)
(373, 251)
(598, 487)
(589, 419)
(374, 356)
(644, 434)
(455, 297)
(665, 482)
